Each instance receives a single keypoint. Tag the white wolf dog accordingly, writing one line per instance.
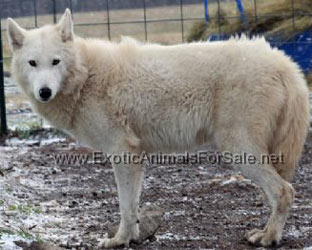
(241, 94)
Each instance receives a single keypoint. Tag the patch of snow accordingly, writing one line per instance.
(294, 232)
(235, 179)
(170, 214)
(229, 181)
(52, 140)
(14, 142)
(7, 242)
(171, 236)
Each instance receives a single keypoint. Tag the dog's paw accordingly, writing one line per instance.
(122, 238)
(262, 238)
(113, 242)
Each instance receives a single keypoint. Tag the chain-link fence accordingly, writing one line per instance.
(164, 21)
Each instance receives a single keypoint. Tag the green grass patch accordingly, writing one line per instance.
(20, 233)
(26, 209)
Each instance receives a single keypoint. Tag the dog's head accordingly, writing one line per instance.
(42, 57)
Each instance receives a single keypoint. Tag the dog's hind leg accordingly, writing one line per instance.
(128, 178)
(279, 192)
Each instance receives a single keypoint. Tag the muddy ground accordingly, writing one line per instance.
(207, 206)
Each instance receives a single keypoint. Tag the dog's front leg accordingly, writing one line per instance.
(128, 178)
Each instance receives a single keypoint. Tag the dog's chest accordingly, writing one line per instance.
(91, 127)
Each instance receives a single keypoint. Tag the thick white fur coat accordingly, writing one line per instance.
(240, 94)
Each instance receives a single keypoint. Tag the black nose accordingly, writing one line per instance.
(45, 93)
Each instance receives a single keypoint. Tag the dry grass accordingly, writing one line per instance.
(274, 18)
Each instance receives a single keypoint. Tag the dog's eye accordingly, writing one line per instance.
(55, 62)
(32, 63)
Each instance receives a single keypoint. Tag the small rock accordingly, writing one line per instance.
(150, 218)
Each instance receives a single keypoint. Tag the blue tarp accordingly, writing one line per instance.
(299, 47)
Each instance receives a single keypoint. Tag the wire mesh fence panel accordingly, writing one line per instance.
(287, 24)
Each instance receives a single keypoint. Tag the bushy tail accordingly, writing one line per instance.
(292, 126)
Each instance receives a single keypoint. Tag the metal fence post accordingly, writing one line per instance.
(108, 20)
(219, 18)
(35, 13)
(71, 8)
(54, 11)
(182, 20)
(256, 13)
(4, 129)
(293, 14)
(144, 16)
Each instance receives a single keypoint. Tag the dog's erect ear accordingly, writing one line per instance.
(65, 25)
(16, 34)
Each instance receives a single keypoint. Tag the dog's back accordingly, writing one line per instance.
(179, 96)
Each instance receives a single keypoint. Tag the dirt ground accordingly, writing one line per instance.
(206, 206)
